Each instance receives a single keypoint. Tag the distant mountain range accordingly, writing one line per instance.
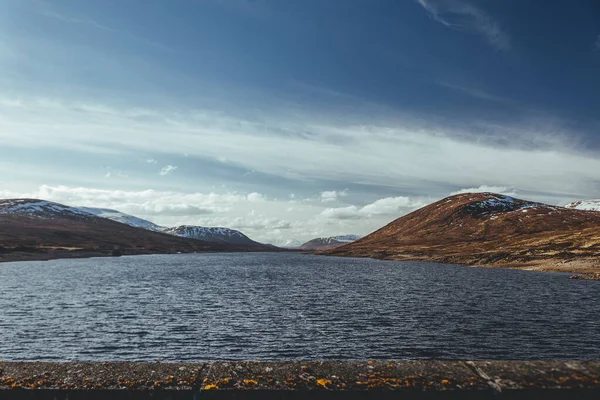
(326, 243)
(213, 235)
(484, 229)
(39, 229)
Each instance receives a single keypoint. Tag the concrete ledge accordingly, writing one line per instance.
(301, 379)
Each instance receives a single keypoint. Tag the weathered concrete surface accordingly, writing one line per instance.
(301, 379)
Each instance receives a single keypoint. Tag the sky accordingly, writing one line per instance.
(290, 120)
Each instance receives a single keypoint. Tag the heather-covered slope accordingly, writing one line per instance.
(485, 229)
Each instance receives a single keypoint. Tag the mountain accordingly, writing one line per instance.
(485, 229)
(590, 205)
(286, 243)
(39, 229)
(41, 209)
(331, 242)
(122, 218)
(213, 235)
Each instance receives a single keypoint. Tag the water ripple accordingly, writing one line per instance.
(289, 306)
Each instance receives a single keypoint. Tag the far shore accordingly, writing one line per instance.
(19, 256)
(583, 268)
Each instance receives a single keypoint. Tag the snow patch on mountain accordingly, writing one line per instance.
(208, 234)
(123, 218)
(589, 205)
(41, 208)
(495, 203)
(329, 242)
(346, 238)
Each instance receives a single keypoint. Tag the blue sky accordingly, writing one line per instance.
(289, 120)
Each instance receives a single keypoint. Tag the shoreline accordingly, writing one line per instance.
(582, 269)
(7, 257)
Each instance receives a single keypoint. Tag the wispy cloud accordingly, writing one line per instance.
(460, 15)
(475, 92)
(389, 206)
(79, 21)
(115, 174)
(96, 25)
(167, 169)
(332, 195)
(151, 161)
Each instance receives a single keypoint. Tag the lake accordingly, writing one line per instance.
(273, 306)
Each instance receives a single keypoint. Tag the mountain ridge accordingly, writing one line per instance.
(33, 229)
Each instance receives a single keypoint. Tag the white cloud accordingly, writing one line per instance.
(392, 206)
(460, 15)
(476, 92)
(256, 197)
(115, 174)
(485, 188)
(332, 195)
(167, 170)
(151, 161)
(389, 206)
(349, 212)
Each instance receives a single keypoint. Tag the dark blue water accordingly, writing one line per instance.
(289, 306)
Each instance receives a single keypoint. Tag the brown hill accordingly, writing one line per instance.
(485, 229)
(38, 229)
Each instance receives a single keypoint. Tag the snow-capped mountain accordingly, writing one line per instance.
(215, 235)
(32, 229)
(590, 205)
(122, 217)
(329, 242)
(41, 209)
(286, 243)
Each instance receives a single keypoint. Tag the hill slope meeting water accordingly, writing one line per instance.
(487, 229)
(32, 229)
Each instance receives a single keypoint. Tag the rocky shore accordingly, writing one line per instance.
(301, 379)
